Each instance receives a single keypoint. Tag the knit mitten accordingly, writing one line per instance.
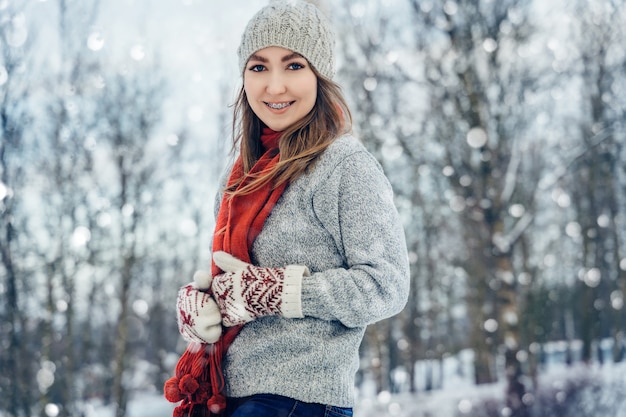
(199, 318)
(245, 292)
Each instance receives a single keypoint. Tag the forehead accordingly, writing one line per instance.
(274, 52)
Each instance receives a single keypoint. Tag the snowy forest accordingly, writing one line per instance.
(500, 124)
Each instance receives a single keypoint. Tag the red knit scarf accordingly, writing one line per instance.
(199, 379)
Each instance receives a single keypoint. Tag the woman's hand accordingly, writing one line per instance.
(245, 292)
(199, 318)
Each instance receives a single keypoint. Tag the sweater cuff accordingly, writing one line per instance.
(292, 291)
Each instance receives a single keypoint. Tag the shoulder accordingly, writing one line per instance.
(345, 145)
(345, 166)
(345, 151)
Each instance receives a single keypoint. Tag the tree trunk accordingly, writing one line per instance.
(120, 395)
(19, 386)
(509, 322)
(478, 303)
(13, 319)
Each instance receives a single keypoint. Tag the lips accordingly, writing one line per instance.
(279, 106)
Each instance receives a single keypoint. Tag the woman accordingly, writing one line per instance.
(308, 248)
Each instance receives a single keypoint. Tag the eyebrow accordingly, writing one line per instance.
(255, 57)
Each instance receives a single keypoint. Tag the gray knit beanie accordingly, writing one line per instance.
(291, 24)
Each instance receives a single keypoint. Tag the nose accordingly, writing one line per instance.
(276, 84)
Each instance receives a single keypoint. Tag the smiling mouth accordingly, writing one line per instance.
(279, 106)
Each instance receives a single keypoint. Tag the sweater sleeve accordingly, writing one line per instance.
(355, 205)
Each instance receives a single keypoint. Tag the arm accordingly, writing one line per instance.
(355, 204)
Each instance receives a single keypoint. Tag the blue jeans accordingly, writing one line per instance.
(269, 405)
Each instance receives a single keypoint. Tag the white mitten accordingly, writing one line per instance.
(245, 292)
(199, 318)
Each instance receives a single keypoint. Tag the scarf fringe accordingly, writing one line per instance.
(198, 383)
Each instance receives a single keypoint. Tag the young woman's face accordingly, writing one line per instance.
(280, 86)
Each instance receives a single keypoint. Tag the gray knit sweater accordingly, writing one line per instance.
(339, 219)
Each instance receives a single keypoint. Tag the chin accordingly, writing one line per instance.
(277, 127)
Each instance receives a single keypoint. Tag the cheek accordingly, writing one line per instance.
(247, 90)
(251, 96)
(249, 87)
(313, 92)
(307, 87)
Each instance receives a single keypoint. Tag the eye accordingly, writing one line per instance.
(257, 68)
(295, 66)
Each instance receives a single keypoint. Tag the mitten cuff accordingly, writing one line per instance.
(292, 291)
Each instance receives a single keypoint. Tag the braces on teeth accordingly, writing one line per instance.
(278, 105)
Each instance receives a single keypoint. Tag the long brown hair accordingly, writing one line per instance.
(300, 145)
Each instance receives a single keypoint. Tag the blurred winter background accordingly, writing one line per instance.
(499, 122)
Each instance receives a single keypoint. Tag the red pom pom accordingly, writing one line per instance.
(217, 403)
(188, 385)
(203, 392)
(180, 411)
(171, 391)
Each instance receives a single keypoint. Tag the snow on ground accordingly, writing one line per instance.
(143, 404)
(605, 397)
